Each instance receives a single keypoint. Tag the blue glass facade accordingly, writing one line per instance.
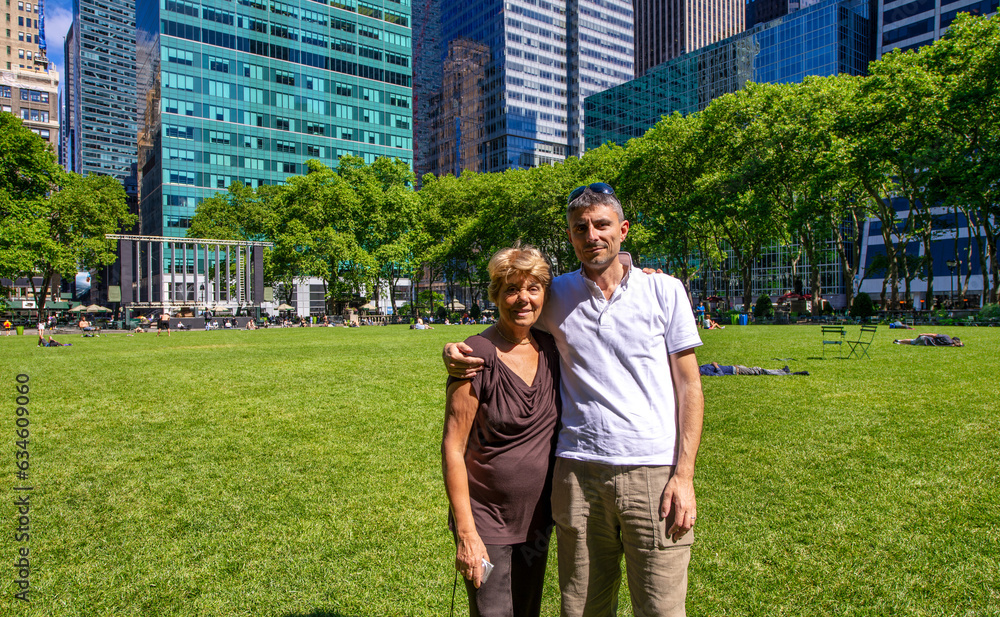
(828, 38)
(248, 90)
(524, 102)
(910, 24)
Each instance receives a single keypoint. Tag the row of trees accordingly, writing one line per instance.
(52, 222)
(794, 164)
(787, 164)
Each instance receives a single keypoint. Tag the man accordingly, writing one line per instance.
(631, 420)
(716, 370)
(6, 327)
(163, 323)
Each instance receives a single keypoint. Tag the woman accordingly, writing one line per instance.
(499, 445)
(932, 340)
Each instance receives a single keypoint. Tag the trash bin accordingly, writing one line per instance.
(744, 319)
(734, 319)
(20, 330)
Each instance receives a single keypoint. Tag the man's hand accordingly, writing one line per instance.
(459, 363)
(678, 506)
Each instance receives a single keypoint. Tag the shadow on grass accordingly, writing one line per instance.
(319, 613)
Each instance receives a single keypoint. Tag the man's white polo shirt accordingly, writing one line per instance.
(618, 403)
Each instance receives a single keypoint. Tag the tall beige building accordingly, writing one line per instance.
(665, 29)
(29, 86)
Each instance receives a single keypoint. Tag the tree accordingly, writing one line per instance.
(862, 306)
(389, 217)
(53, 222)
(658, 187)
(316, 232)
(966, 173)
(241, 213)
(28, 173)
(763, 308)
(736, 180)
(893, 131)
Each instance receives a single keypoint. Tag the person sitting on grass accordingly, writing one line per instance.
(715, 370)
(88, 328)
(709, 324)
(932, 340)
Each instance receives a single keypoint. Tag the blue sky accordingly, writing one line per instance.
(58, 17)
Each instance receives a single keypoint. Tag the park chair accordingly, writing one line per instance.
(865, 338)
(834, 335)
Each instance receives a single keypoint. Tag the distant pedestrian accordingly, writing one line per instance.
(163, 323)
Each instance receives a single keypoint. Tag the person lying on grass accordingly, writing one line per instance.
(715, 370)
(54, 343)
(932, 340)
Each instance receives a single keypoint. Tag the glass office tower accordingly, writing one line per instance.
(909, 24)
(665, 29)
(510, 78)
(248, 90)
(828, 38)
(99, 118)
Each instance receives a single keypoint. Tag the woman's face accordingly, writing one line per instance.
(521, 300)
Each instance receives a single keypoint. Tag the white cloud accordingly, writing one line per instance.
(57, 22)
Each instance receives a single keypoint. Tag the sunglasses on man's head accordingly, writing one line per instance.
(597, 187)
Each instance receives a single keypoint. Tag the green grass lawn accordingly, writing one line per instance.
(296, 472)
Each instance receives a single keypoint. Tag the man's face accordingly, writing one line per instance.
(597, 235)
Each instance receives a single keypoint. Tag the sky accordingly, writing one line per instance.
(58, 17)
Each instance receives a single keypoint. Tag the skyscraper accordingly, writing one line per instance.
(99, 114)
(827, 38)
(909, 24)
(665, 29)
(28, 88)
(525, 66)
(248, 91)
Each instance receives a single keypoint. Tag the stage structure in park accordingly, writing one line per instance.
(158, 271)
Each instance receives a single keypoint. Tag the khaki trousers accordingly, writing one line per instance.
(603, 512)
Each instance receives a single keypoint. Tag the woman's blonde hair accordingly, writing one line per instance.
(515, 262)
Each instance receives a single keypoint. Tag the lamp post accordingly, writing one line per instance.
(951, 263)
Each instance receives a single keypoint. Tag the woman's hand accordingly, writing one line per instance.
(469, 557)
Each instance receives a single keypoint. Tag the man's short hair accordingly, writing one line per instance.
(589, 199)
(516, 262)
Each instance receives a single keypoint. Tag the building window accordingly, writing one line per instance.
(282, 124)
(288, 168)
